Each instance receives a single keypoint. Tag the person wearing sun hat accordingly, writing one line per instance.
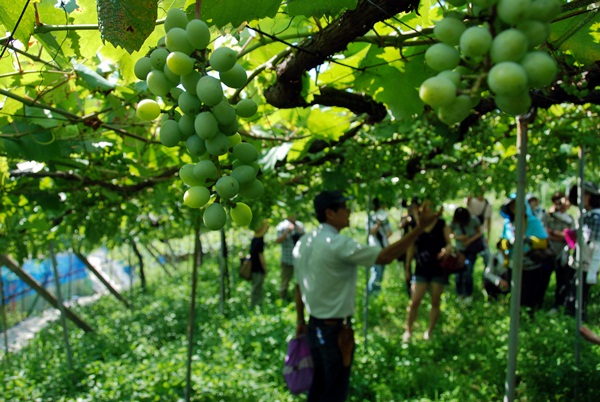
(325, 265)
(533, 281)
(259, 265)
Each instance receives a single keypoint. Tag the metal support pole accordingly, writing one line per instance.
(580, 244)
(517, 261)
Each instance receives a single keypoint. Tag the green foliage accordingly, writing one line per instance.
(238, 354)
(10, 13)
(318, 9)
(127, 23)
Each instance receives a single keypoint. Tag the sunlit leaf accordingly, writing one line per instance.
(21, 12)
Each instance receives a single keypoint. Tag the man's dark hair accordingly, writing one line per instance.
(322, 216)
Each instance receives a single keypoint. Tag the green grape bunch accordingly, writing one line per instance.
(499, 51)
(189, 83)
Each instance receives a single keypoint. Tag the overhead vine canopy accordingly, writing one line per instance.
(337, 85)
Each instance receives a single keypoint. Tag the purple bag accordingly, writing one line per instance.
(298, 368)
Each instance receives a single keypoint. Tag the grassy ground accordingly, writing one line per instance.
(140, 355)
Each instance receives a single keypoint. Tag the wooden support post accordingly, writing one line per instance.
(102, 279)
(32, 283)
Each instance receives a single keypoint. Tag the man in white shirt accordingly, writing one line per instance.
(326, 265)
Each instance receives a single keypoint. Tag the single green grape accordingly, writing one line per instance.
(169, 133)
(224, 112)
(541, 68)
(475, 41)
(508, 45)
(188, 103)
(245, 152)
(206, 125)
(195, 145)
(513, 12)
(214, 216)
(441, 56)
(196, 196)
(205, 171)
(507, 78)
(515, 105)
(437, 91)
(186, 125)
(175, 18)
(158, 58)
(246, 108)
(186, 174)
(142, 67)
(252, 190)
(241, 214)
(158, 83)
(457, 111)
(209, 90)
(244, 174)
(180, 63)
(189, 81)
(227, 187)
(235, 77)
(449, 30)
(198, 34)
(223, 59)
(177, 41)
(217, 145)
(234, 139)
(147, 109)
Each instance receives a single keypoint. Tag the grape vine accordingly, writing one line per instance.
(189, 83)
(501, 53)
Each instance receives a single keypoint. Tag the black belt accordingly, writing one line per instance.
(331, 321)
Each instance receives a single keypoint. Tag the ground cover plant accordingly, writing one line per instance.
(139, 355)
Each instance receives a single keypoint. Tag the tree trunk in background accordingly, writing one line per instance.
(156, 255)
(102, 279)
(32, 283)
(141, 259)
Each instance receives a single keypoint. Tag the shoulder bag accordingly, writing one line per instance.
(246, 268)
(298, 368)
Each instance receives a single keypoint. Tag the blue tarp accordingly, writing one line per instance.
(70, 269)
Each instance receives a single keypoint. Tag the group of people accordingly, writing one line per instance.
(325, 263)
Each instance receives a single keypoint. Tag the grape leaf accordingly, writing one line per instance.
(223, 12)
(38, 145)
(578, 33)
(92, 79)
(10, 11)
(319, 8)
(53, 48)
(127, 23)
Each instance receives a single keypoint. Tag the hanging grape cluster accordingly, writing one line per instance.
(189, 81)
(500, 53)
